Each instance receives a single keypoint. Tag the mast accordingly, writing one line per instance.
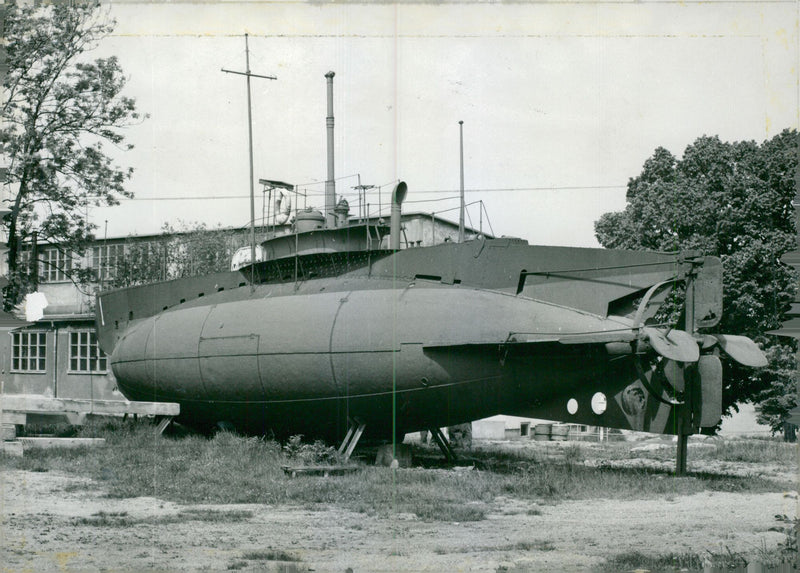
(461, 209)
(248, 74)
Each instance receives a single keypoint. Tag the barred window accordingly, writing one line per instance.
(105, 259)
(54, 265)
(28, 352)
(84, 353)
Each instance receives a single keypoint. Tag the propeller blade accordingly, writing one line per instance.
(742, 350)
(710, 370)
(673, 371)
(676, 345)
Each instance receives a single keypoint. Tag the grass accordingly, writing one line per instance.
(122, 519)
(747, 450)
(755, 451)
(230, 469)
(537, 545)
(635, 560)
(727, 560)
(270, 555)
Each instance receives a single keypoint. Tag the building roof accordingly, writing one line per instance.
(8, 320)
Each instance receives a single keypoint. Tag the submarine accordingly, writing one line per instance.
(334, 329)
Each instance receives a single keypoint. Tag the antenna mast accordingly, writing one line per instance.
(461, 209)
(249, 74)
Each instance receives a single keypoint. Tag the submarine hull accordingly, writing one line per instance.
(400, 360)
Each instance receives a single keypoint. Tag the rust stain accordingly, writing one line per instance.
(63, 557)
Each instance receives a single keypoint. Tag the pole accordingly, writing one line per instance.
(684, 412)
(461, 209)
(252, 188)
(330, 184)
(249, 74)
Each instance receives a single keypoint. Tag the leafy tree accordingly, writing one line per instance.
(182, 250)
(734, 201)
(60, 112)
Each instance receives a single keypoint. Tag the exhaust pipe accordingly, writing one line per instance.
(330, 183)
(398, 196)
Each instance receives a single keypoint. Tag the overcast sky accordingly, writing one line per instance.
(561, 103)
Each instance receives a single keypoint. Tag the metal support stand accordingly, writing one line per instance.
(680, 460)
(684, 411)
(351, 438)
(162, 424)
(443, 444)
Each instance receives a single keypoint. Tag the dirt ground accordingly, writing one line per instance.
(41, 531)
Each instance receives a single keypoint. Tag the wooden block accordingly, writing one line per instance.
(8, 432)
(61, 442)
(44, 404)
(20, 418)
(12, 448)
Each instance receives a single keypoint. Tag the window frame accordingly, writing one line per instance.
(103, 265)
(54, 265)
(93, 353)
(17, 358)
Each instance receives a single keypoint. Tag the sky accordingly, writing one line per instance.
(561, 103)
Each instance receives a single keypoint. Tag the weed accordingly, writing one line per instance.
(316, 453)
(106, 519)
(237, 565)
(635, 560)
(122, 519)
(538, 545)
(449, 512)
(573, 454)
(270, 555)
(727, 560)
(215, 515)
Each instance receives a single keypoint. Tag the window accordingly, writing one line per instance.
(105, 260)
(28, 352)
(85, 355)
(54, 266)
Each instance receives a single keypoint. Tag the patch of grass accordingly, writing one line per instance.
(537, 545)
(270, 555)
(755, 451)
(106, 519)
(448, 511)
(215, 515)
(666, 562)
(122, 519)
(229, 469)
(237, 565)
(748, 450)
(636, 560)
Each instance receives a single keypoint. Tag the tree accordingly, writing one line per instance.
(60, 112)
(184, 250)
(734, 201)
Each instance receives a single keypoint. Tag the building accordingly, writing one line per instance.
(58, 355)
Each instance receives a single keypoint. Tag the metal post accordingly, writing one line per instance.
(684, 412)
(252, 188)
(461, 209)
(249, 74)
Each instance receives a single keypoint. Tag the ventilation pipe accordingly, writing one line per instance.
(398, 196)
(330, 183)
